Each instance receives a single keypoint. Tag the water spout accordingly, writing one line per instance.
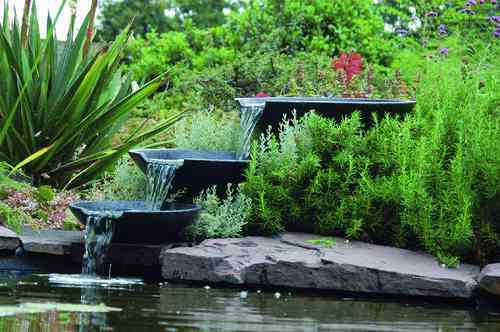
(250, 115)
(159, 174)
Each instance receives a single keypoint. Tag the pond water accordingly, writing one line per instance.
(130, 305)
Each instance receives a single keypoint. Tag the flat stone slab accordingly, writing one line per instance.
(72, 244)
(292, 260)
(489, 279)
(50, 241)
(9, 240)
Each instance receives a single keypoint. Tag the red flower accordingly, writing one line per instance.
(350, 63)
(262, 95)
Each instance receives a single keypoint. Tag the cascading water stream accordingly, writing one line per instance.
(159, 174)
(250, 115)
(98, 235)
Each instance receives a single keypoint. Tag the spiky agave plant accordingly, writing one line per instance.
(62, 102)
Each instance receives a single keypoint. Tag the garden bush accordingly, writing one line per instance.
(209, 131)
(285, 47)
(124, 182)
(221, 218)
(431, 182)
(272, 27)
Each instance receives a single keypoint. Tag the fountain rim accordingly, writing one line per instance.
(88, 211)
(140, 152)
(259, 101)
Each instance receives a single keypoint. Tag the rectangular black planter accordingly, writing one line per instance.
(337, 108)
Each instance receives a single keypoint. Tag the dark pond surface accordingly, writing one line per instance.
(167, 307)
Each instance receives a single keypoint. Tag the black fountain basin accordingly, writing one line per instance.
(137, 224)
(200, 169)
(337, 108)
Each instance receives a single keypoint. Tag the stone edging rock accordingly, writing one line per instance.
(8, 239)
(291, 260)
(489, 279)
(70, 244)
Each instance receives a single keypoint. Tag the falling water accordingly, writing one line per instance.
(250, 115)
(98, 235)
(159, 174)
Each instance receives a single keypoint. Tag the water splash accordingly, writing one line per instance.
(159, 174)
(98, 235)
(250, 115)
(93, 282)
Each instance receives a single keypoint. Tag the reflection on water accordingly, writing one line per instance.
(154, 307)
(83, 281)
(88, 320)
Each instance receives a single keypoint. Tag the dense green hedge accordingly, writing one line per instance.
(284, 47)
(285, 27)
(316, 27)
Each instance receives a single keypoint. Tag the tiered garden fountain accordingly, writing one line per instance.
(155, 220)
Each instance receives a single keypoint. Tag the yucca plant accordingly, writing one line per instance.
(62, 102)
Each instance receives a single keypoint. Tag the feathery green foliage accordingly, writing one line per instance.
(431, 182)
(124, 182)
(209, 131)
(221, 218)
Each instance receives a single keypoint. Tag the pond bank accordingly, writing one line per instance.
(290, 260)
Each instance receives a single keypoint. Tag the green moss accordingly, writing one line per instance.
(448, 261)
(324, 242)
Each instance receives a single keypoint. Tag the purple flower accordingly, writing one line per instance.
(493, 2)
(496, 34)
(467, 11)
(443, 30)
(471, 3)
(431, 14)
(494, 19)
(401, 32)
(444, 51)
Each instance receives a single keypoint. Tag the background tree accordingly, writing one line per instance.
(147, 15)
(203, 13)
(161, 15)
